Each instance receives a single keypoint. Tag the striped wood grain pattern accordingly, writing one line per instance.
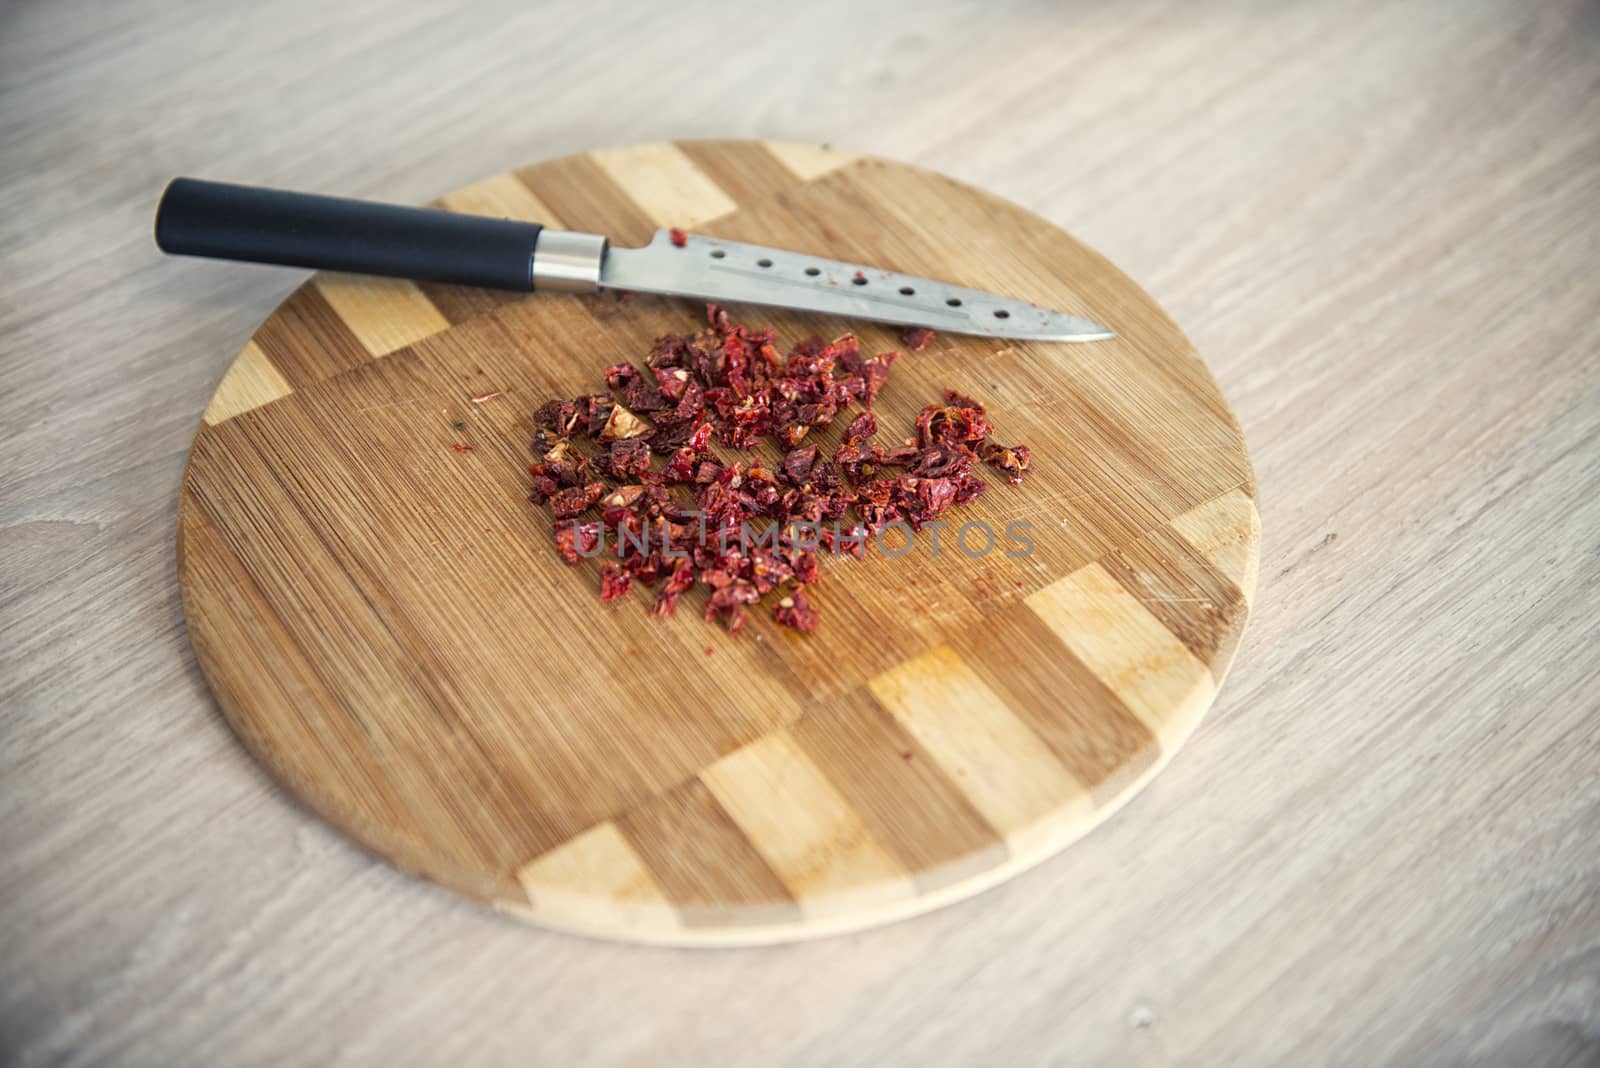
(385, 625)
(385, 314)
(251, 381)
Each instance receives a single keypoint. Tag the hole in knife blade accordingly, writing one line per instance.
(954, 302)
(763, 263)
(717, 253)
(860, 279)
(1001, 313)
(813, 271)
(907, 291)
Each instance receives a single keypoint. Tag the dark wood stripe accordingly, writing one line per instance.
(702, 861)
(307, 341)
(1078, 717)
(902, 796)
(1196, 602)
(748, 173)
(458, 304)
(585, 198)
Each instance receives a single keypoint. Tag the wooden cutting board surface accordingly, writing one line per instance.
(387, 627)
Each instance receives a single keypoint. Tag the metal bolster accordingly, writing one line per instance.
(566, 261)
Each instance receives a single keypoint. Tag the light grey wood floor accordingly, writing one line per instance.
(1381, 223)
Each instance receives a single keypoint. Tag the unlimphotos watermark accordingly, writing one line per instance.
(975, 538)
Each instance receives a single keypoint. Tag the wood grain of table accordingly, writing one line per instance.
(1380, 222)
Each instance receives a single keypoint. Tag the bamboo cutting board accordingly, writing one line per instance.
(382, 617)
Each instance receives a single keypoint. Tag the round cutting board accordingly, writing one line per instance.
(381, 614)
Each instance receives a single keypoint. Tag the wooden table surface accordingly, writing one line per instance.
(1379, 221)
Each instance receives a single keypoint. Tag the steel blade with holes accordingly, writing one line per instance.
(236, 222)
(730, 272)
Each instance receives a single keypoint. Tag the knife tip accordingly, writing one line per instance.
(1071, 328)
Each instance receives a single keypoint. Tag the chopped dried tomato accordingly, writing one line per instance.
(748, 530)
(625, 459)
(622, 497)
(678, 237)
(805, 567)
(916, 338)
(620, 374)
(796, 611)
(636, 392)
(797, 464)
(614, 581)
(558, 416)
(575, 500)
(621, 424)
(862, 427)
(671, 381)
(1013, 461)
(680, 467)
(728, 597)
(680, 578)
(575, 538)
(791, 434)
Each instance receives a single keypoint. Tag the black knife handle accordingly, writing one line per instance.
(240, 222)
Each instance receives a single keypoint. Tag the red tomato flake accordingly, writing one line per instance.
(714, 514)
(678, 237)
(795, 611)
(614, 581)
(460, 448)
(575, 500)
(575, 539)
(1013, 461)
(679, 578)
(916, 338)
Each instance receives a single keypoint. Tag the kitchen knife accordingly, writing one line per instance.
(236, 222)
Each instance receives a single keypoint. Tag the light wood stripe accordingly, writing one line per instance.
(808, 161)
(804, 829)
(665, 183)
(596, 879)
(1227, 532)
(1004, 768)
(501, 197)
(1144, 664)
(251, 382)
(385, 314)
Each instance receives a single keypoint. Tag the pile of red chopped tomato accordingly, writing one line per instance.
(741, 528)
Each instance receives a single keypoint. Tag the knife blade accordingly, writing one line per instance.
(731, 272)
(235, 222)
